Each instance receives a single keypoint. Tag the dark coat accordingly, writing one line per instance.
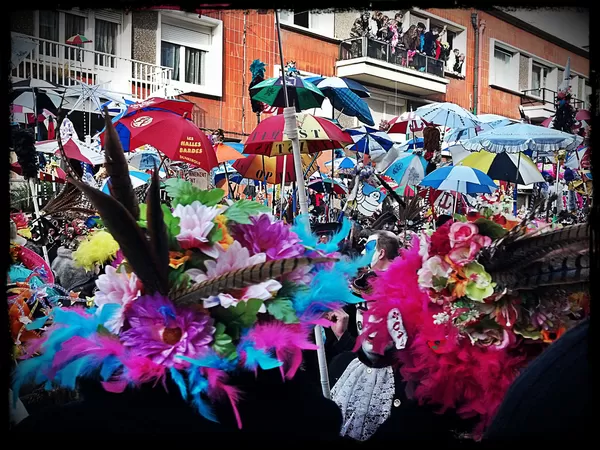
(551, 399)
(409, 421)
(270, 410)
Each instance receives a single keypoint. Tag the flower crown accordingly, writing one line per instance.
(201, 290)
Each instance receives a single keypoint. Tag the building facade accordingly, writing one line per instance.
(519, 60)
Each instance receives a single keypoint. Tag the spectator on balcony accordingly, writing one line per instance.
(411, 39)
(429, 41)
(359, 29)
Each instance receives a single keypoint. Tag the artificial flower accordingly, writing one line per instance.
(178, 259)
(424, 241)
(461, 232)
(196, 223)
(493, 338)
(440, 241)
(119, 258)
(97, 249)
(550, 336)
(481, 240)
(227, 240)
(275, 239)
(434, 273)
(507, 313)
(162, 333)
(480, 285)
(464, 254)
(120, 287)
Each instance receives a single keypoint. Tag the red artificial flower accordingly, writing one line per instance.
(440, 241)
(473, 216)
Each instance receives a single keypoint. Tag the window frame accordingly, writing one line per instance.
(310, 29)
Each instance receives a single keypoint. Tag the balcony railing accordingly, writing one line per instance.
(397, 55)
(542, 96)
(63, 64)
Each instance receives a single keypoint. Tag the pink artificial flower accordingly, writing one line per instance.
(424, 241)
(434, 273)
(461, 232)
(482, 241)
(117, 287)
(464, 254)
(196, 223)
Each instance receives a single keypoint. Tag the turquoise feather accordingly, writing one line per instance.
(179, 381)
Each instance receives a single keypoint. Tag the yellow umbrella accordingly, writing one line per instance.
(503, 166)
(252, 167)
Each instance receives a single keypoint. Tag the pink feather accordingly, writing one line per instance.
(217, 380)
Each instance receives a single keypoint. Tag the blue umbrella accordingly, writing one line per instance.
(461, 179)
(412, 144)
(339, 83)
(409, 169)
(367, 139)
(137, 179)
(343, 163)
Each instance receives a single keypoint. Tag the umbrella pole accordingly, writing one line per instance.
(516, 195)
(291, 130)
(283, 186)
(229, 193)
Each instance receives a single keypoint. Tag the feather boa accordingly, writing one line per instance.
(449, 371)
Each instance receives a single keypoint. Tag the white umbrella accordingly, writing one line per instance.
(137, 179)
(448, 115)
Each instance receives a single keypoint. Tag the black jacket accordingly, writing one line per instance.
(408, 421)
(551, 399)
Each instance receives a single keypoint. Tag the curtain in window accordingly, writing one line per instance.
(48, 29)
(170, 56)
(193, 66)
(105, 41)
(74, 25)
(502, 67)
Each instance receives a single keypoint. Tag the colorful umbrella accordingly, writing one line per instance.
(144, 160)
(181, 107)
(22, 114)
(137, 179)
(175, 136)
(579, 159)
(326, 184)
(78, 39)
(461, 179)
(409, 121)
(409, 169)
(367, 140)
(448, 115)
(519, 137)
(583, 114)
(344, 163)
(234, 177)
(252, 167)
(488, 122)
(316, 134)
(503, 166)
(324, 83)
(225, 152)
(74, 149)
(301, 93)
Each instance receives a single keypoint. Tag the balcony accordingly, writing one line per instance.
(63, 64)
(540, 104)
(381, 64)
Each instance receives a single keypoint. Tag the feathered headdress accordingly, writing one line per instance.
(203, 290)
(471, 296)
(257, 69)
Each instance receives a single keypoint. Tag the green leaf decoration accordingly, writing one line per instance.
(143, 222)
(173, 227)
(490, 229)
(223, 343)
(238, 317)
(241, 211)
(185, 193)
(215, 235)
(487, 212)
(178, 278)
(283, 309)
(460, 218)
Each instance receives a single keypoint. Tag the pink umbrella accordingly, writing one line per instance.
(548, 122)
(75, 149)
(583, 114)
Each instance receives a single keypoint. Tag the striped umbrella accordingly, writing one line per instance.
(579, 158)
(488, 122)
(344, 163)
(407, 122)
(324, 83)
(137, 179)
(316, 134)
(326, 184)
(78, 39)
(367, 140)
(460, 179)
(503, 166)
(409, 169)
(252, 167)
(301, 93)
(448, 115)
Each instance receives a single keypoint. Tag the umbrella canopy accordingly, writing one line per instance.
(234, 177)
(301, 93)
(144, 160)
(78, 39)
(315, 133)
(326, 83)
(181, 107)
(367, 140)
(226, 152)
(408, 169)
(412, 144)
(407, 122)
(503, 166)
(32, 83)
(137, 179)
(448, 115)
(583, 114)
(461, 179)
(489, 122)
(22, 114)
(49, 100)
(579, 159)
(326, 184)
(252, 167)
(344, 163)
(519, 137)
(74, 149)
(175, 136)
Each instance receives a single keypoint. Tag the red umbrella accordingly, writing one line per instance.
(583, 114)
(409, 121)
(180, 107)
(252, 168)
(175, 136)
(315, 133)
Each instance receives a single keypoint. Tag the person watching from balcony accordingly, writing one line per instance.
(359, 29)
(430, 38)
(411, 39)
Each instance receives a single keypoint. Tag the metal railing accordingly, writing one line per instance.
(533, 97)
(397, 55)
(63, 63)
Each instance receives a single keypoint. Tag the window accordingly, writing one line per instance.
(74, 25)
(502, 67)
(105, 41)
(318, 22)
(188, 61)
(302, 19)
(539, 75)
(171, 57)
(48, 29)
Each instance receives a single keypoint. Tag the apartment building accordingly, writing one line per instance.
(520, 57)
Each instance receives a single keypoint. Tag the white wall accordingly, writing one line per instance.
(569, 24)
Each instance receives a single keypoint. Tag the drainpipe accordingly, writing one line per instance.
(474, 22)
(480, 58)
